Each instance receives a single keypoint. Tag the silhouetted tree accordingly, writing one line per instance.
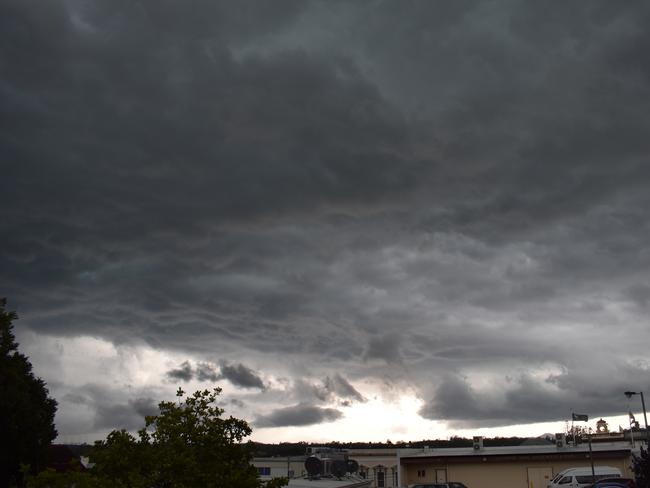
(26, 410)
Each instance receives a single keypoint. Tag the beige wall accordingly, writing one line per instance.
(498, 475)
(372, 465)
(384, 459)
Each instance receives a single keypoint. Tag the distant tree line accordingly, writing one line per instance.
(284, 449)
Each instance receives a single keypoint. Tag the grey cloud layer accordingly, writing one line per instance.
(237, 374)
(240, 375)
(110, 408)
(297, 415)
(409, 194)
(333, 388)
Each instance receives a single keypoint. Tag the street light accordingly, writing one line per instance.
(645, 416)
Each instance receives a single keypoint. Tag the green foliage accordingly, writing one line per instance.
(26, 410)
(188, 444)
(49, 478)
(641, 468)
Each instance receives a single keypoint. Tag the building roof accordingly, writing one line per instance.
(281, 459)
(328, 483)
(468, 454)
(370, 451)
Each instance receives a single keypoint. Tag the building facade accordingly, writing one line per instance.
(379, 466)
(524, 466)
(506, 467)
(279, 467)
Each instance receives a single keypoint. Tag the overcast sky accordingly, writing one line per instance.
(363, 220)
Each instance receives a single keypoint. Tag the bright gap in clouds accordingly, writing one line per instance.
(373, 421)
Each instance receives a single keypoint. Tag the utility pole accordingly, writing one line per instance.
(645, 415)
(591, 458)
(645, 419)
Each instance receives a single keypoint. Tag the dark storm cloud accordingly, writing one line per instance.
(184, 372)
(456, 401)
(297, 415)
(331, 388)
(240, 375)
(524, 398)
(144, 142)
(530, 110)
(385, 348)
(420, 195)
(206, 372)
(343, 389)
(202, 372)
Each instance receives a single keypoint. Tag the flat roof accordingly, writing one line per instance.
(282, 459)
(328, 483)
(370, 451)
(505, 453)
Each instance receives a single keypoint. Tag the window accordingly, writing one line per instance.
(422, 473)
(380, 479)
(566, 480)
(264, 471)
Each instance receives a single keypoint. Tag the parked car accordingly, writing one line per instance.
(614, 483)
(582, 477)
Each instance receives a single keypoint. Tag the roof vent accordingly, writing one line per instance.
(478, 443)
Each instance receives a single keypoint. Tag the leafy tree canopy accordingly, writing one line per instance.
(188, 444)
(26, 410)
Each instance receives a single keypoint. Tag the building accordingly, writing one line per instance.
(379, 466)
(529, 465)
(506, 467)
(293, 467)
(278, 467)
(351, 482)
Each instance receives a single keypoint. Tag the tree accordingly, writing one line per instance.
(188, 444)
(641, 468)
(26, 410)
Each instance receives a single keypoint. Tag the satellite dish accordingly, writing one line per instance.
(314, 466)
(353, 466)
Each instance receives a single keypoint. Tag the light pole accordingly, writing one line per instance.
(645, 416)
